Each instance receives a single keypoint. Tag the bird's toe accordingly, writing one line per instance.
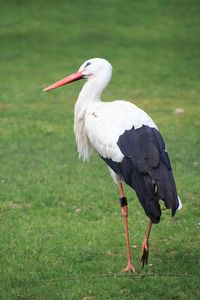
(129, 268)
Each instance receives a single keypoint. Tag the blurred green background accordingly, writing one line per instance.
(60, 220)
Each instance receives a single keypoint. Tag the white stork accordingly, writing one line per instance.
(127, 139)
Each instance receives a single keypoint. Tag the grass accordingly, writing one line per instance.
(60, 221)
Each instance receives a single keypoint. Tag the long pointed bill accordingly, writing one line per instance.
(76, 76)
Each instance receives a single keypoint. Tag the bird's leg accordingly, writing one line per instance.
(145, 246)
(124, 206)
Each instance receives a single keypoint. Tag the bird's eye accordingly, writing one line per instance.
(87, 64)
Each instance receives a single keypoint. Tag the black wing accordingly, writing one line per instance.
(147, 169)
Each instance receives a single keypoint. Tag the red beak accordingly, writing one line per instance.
(76, 76)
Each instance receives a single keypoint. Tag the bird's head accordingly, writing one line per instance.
(94, 68)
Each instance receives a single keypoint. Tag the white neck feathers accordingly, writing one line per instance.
(90, 94)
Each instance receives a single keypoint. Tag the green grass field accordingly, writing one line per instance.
(61, 230)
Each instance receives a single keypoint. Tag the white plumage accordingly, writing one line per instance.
(106, 121)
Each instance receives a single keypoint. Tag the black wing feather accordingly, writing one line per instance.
(146, 168)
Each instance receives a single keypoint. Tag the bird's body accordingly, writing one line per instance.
(125, 137)
(104, 122)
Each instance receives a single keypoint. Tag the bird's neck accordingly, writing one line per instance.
(91, 92)
(89, 95)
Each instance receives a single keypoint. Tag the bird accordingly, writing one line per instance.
(128, 141)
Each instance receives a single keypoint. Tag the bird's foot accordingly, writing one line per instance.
(145, 253)
(129, 268)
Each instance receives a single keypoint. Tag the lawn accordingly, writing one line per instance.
(61, 230)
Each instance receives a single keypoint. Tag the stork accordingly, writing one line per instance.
(129, 142)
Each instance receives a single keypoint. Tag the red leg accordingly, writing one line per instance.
(124, 205)
(145, 246)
